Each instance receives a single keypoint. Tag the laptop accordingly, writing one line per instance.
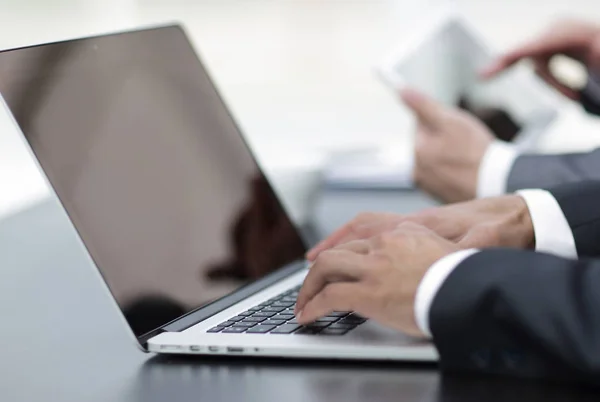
(184, 228)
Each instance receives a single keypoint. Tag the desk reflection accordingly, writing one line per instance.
(211, 379)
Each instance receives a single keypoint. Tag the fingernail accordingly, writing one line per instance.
(299, 315)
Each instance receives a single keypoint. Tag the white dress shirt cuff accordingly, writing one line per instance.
(494, 169)
(552, 232)
(431, 283)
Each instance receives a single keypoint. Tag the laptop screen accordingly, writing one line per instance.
(151, 169)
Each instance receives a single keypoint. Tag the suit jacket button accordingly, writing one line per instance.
(481, 358)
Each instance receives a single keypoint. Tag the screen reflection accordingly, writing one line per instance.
(150, 167)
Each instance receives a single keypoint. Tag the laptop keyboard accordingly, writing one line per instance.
(276, 316)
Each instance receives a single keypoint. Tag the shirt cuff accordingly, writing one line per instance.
(550, 226)
(494, 169)
(431, 283)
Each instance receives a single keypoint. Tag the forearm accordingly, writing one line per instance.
(520, 313)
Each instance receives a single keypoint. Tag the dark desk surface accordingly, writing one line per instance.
(62, 340)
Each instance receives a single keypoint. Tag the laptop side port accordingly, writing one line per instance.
(234, 349)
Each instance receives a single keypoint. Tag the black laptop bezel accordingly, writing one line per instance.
(205, 311)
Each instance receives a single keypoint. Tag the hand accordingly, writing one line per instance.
(378, 277)
(449, 147)
(575, 39)
(490, 222)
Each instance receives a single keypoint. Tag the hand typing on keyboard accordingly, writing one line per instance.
(276, 316)
(376, 277)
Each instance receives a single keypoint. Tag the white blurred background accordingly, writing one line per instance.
(298, 74)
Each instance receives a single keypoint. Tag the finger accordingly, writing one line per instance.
(501, 64)
(356, 246)
(537, 48)
(554, 41)
(363, 226)
(333, 297)
(427, 110)
(331, 266)
(543, 71)
(366, 231)
(329, 242)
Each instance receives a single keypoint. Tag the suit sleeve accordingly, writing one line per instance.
(520, 313)
(545, 171)
(580, 204)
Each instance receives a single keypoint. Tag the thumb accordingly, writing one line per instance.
(427, 110)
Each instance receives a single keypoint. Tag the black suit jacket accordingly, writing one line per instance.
(523, 313)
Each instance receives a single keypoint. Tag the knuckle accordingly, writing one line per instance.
(323, 260)
(357, 225)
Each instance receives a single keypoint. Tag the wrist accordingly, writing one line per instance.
(516, 228)
(525, 224)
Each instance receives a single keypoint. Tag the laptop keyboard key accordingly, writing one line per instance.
(338, 325)
(267, 314)
(234, 330)
(286, 313)
(254, 319)
(334, 331)
(288, 299)
(353, 319)
(338, 314)
(236, 318)
(285, 329)
(307, 331)
(260, 329)
(226, 324)
(328, 319)
(244, 324)
(245, 314)
(274, 309)
(318, 324)
(271, 321)
(215, 329)
(284, 304)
